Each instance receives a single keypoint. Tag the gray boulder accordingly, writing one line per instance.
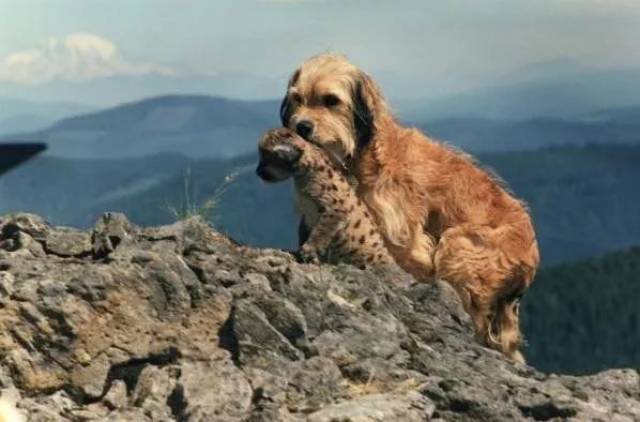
(179, 323)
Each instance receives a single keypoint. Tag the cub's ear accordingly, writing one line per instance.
(286, 108)
(366, 104)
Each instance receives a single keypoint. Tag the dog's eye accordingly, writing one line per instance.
(296, 98)
(330, 100)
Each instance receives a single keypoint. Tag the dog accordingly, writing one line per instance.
(441, 214)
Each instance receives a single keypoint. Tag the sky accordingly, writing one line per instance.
(435, 46)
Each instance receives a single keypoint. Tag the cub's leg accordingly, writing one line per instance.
(303, 232)
(320, 237)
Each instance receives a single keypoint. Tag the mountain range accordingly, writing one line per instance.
(194, 126)
(215, 127)
(560, 88)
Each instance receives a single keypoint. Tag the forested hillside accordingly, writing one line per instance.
(585, 316)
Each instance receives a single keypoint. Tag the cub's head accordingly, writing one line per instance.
(280, 151)
(333, 104)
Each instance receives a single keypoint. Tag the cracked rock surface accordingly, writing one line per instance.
(178, 323)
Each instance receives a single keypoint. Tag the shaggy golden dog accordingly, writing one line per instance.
(441, 214)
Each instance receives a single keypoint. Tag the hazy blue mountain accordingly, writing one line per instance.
(77, 192)
(615, 126)
(203, 126)
(560, 87)
(555, 68)
(21, 116)
(620, 115)
(67, 191)
(561, 90)
(584, 199)
(110, 91)
(195, 126)
(583, 317)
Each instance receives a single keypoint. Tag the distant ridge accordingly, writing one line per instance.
(193, 125)
(209, 112)
(201, 126)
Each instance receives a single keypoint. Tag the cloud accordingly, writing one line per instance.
(79, 57)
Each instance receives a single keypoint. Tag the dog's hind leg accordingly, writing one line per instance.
(472, 259)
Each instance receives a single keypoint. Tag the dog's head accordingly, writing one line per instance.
(280, 151)
(331, 103)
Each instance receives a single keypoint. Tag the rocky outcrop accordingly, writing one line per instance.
(178, 323)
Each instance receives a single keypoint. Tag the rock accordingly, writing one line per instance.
(314, 383)
(258, 341)
(30, 224)
(116, 397)
(68, 242)
(212, 392)
(6, 286)
(179, 323)
(409, 407)
(91, 378)
(109, 232)
(9, 412)
(153, 385)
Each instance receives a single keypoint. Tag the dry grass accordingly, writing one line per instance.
(191, 207)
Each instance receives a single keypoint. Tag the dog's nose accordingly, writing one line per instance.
(304, 128)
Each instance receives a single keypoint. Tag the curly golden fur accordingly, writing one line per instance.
(441, 214)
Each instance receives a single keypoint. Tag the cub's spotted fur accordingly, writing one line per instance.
(340, 227)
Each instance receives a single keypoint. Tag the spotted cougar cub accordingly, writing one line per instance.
(340, 227)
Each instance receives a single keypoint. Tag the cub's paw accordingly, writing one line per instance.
(308, 254)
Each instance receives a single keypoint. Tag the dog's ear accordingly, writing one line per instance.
(286, 108)
(366, 103)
